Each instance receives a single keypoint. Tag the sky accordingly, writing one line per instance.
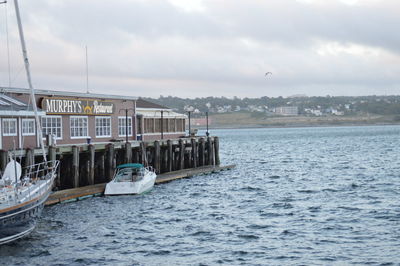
(201, 48)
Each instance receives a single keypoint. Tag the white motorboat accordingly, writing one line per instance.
(131, 178)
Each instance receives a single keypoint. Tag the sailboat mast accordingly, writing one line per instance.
(28, 74)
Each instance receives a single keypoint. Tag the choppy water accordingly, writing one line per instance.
(298, 196)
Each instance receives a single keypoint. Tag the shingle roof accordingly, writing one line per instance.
(8, 103)
(140, 103)
(68, 93)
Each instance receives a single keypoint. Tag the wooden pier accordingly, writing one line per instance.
(98, 189)
(90, 164)
(84, 169)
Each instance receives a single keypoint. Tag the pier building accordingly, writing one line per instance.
(90, 134)
(72, 118)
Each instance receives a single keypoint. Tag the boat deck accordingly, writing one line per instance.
(80, 193)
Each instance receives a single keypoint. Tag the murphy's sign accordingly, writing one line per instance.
(76, 106)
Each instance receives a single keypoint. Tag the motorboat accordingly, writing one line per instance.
(131, 178)
(22, 199)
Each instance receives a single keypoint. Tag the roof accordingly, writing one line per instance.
(67, 93)
(10, 106)
(140, 103)
(156, 113)
(130, 165)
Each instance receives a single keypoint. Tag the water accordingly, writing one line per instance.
(304, 196)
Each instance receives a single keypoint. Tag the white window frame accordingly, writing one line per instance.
(97, 118)
(24, 120)
(16, 127)
(129, 128)
(61, 125)
(87, 127)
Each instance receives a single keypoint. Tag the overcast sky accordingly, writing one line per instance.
(196, 48)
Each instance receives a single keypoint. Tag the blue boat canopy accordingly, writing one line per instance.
(130, 165)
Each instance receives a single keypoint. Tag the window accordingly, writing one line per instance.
(79, 126)
(9, 127)
(166, 124)
(103, 126)
(51, 125)
(180, 125)
(171, 125)
(148, 125)
(139, 124)
(157, 124)
(122, 126)
(28, 127)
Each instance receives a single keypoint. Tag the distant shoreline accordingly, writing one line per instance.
(299, 126)
(212, 127)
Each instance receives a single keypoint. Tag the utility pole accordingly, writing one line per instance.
(87, 71)
(162, 124)
(126, 121)
(207, 133)
(189, 121)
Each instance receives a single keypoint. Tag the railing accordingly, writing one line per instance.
(37, 180)
(41, 170)
(150, 168)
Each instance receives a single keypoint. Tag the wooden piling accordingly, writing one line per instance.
(135, 155)
(110, 161)
(210, 151)
(157, 159)
(194, 153)
(100, 162)
(181, 155)
(216, 151)
(52, 153)
(53, 157)
(164, 159)
(85, 171)
(143, 154)
(92, 153)
(3, 159)
(202, 152)
(75, 166)
(96, 163)
(176, 158)
(30, 158)
(128, 152)
(170, 156)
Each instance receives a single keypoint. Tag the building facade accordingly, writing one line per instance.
(71, 118)
(287, 110)
(158, 122)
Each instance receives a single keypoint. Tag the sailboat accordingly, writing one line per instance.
(23, 192)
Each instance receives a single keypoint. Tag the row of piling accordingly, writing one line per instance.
(89, 164)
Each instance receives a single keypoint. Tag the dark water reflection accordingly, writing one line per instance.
(298, 196)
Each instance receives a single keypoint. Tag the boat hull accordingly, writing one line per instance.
(131, 188)
(19, 222)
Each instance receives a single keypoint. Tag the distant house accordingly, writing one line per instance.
(287, 110)
(334, 111)
(200, 121)
(315, 112)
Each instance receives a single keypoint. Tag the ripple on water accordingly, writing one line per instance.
(249, 237)
(305, 196)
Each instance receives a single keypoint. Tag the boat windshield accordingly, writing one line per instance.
(128, 175)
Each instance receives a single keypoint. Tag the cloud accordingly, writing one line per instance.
(203, 48)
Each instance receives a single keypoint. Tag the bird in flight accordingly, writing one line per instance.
(268, 73)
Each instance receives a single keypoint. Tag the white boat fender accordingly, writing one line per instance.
(12, 172)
